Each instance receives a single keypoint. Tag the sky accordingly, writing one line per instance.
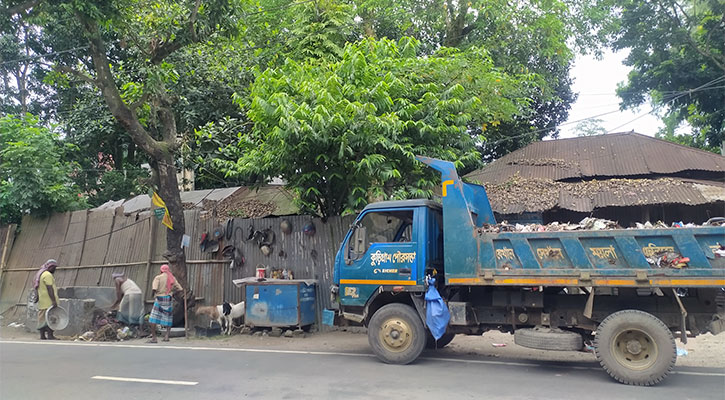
(596, 81)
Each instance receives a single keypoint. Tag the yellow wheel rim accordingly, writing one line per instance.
(396, 335)
(634, 349)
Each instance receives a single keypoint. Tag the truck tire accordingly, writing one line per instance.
(635, 347)
(548, 339)
(396, 334)
(441, 343)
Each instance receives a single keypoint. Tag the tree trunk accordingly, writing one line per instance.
(456, 30)
(161, 152)
(169, 192)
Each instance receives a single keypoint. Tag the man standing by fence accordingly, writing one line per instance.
(163, 287)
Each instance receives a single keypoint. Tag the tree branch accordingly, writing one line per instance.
(78, 74)
(676, 20)
(105, 81)
(22, 7)
(166, 49)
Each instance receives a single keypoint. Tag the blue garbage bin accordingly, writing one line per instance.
(280, 304)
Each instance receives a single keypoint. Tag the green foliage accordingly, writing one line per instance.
(529, 36)
(677, 55)
(320, 30)
(590, 127)
(34, 178)
(346, 132)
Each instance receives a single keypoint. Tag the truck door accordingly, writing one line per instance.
(382, 249)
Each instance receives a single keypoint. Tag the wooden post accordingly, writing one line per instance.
(186, 317)
(83, 245)
(152, 241)
(10, 233)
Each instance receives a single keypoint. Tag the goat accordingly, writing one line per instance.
(223, 314)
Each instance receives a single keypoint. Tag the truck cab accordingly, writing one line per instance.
(391, 247)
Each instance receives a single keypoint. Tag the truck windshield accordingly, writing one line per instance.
(388, 226)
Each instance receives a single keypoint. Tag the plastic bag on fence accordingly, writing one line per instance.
(436, 311)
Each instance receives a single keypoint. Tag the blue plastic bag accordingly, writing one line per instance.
(436, 311)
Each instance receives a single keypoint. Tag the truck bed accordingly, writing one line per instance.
(613, 258)
(589, 258)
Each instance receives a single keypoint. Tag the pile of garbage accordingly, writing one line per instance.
(668, 259)
(106, 328)
(588, 224)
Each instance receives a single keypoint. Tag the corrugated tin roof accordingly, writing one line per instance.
(279, 199)
(534, 195)
(612, 155)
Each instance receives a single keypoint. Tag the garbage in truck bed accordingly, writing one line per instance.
(587, 224)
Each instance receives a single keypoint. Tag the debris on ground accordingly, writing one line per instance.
(498, 344)
(681, 352)
(16, 325)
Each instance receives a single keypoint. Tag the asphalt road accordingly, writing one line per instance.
(82, 371)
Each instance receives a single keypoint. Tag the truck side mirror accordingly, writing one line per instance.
(361, 238)
(357, 246)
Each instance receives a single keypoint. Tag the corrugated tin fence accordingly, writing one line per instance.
(92, 244)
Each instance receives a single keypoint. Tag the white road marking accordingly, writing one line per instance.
(318, 353)
(143, 380)
(697, 373)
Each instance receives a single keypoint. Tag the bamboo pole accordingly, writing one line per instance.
(186, 318)
(150, 253)
(129, 264)
(3, 255)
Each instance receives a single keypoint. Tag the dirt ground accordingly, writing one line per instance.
(703, 351)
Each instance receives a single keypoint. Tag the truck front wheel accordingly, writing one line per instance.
(635, 347)
(396, 334)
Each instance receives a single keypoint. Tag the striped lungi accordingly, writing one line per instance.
(162, 313)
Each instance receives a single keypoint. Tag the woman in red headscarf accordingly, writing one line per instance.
(163, 287)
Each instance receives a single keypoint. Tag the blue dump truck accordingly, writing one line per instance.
(552, 290)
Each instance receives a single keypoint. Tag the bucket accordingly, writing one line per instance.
(328, 317)
(57, 318)
(261, 272)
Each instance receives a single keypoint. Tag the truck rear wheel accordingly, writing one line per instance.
(635, 347)
(396, 334)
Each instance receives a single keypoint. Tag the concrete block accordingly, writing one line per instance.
(104, 296)
(80, 313)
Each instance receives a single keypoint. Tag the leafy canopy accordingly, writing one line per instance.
(34, 178)
(346, 132)
(677, 55)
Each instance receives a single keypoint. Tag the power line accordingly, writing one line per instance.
(677, 96)
(674, 97)
(55, 53)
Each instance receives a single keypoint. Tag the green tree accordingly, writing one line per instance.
(590, 127)
(34, 173)
(677, 55)
(346, 132)
(531, 36)
(130, 44)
